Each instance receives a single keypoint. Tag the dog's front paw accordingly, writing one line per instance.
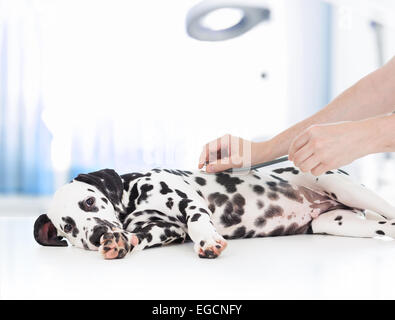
(211, 247)
(116, 245)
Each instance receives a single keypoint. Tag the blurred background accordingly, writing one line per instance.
(93, 84)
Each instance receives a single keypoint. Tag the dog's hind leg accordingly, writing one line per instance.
(349, 224)
(340, 186)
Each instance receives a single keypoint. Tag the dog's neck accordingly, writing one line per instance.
(129, 197)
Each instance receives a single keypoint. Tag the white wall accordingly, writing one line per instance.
(354, 56)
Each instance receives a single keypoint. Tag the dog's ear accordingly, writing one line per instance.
(46, 234)
(107, 181)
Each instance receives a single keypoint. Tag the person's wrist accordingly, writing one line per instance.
(367, 133)
(260, 151)
(382, 141)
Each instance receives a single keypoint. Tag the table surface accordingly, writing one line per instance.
(292, 267)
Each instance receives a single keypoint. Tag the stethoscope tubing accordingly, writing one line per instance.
(259, 165)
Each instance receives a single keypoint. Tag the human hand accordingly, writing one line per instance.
(324, 147)
(228, 152)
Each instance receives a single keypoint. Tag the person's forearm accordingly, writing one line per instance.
(384, 132)
(371, 96)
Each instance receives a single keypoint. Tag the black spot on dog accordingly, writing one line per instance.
(98, 231)
(218, 198)
(239, 233)
(329, 172)
(278, 178)
(229, 218)
(273, 211)
(249, 234)
(157, 170)
(169, 203)
(182, 205)
(288, 169)
(228, 182)
(260, 221)
(151, 211)
(380, 232)
(238, 203)
(291, 230)
(91, 190)
(260, 204)
(202, 243)
(211, 207)
(272, 185)
(145, 188)
(178, 172)
(258, 189)
(340, 223)
(342, 171)
(184, 173)
(333, 196)
(304, 229)
(104, 222)
(256, 177)
(200, 193)
(195, 217)
(279, 231)
(291, 194)
(382, 222)
(181, 194)
(165, 189)
(203, 210)
(192, 207)
(200, 181)
(104, 200)
(273, 196)
(84, 244)
(130, 177)
(338, 218)
(134, 194)
(182, 219)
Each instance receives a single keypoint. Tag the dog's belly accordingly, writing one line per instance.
(258, 205)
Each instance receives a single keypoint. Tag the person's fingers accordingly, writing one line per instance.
(298, 143)
(319, 170)
(302, 155)
(203, 156)
(309, 164)
(214, 150)
(224, 164)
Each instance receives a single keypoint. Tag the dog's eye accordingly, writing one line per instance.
(90, 202)
(68, 227)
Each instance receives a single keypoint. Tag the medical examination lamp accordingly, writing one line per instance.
(248, 15)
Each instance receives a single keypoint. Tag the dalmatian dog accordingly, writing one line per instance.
(118, 214)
